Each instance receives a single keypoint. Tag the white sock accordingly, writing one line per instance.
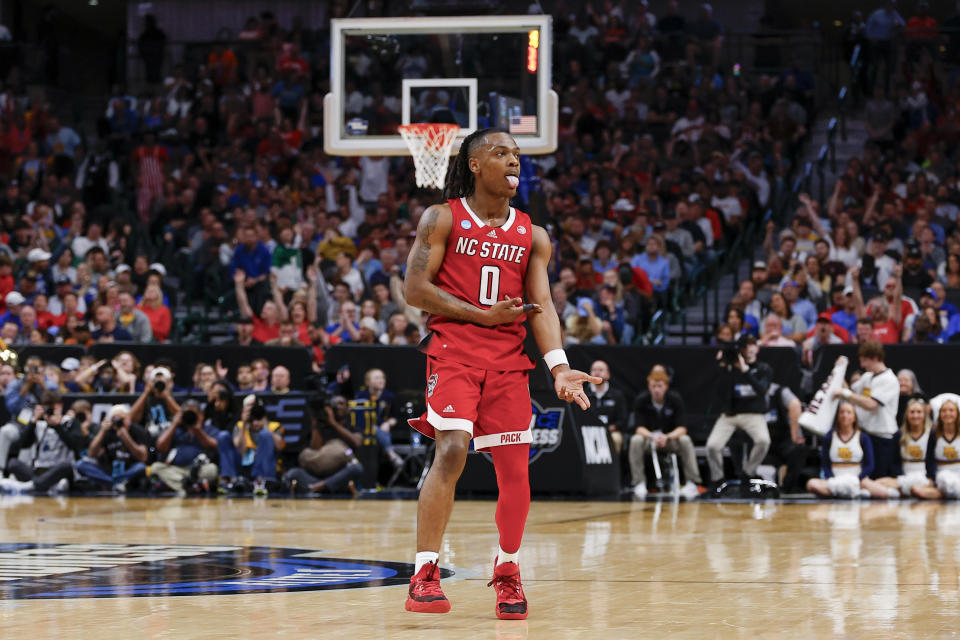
(503, 556)
(423, 557)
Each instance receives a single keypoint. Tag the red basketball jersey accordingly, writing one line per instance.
(482, 265)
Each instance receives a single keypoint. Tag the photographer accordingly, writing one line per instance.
(54, 441)
(218, 412)
(184, 448)
(328, 463)
(119, 451)
(743, 382)
(249, 450)
(155, 407)
(23, 393)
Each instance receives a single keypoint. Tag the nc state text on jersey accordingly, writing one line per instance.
(492, 250)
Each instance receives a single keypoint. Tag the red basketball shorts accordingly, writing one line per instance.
(492, 406)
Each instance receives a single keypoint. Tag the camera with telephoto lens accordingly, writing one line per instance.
(190, 418)
(258, 412)
(160, 377)
(117, 422)
(81, 417)
(730, 351)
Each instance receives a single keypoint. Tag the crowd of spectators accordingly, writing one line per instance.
(880, 258)
(212, 172)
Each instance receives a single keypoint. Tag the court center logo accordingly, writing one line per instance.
(57, 571)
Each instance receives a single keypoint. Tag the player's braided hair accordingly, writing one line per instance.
(460, 181)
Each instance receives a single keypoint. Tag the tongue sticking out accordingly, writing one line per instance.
(513, 180)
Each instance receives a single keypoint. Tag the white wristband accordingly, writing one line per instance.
(555, 358)
(846, 393)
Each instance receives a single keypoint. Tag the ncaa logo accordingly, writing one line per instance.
(546, 425)
(521, 229)
(465, 224)
(431, 385)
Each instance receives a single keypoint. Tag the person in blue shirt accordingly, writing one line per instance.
(882, 28)
(945, 308)
(347, 329)
(14, 303)
(181, 444)
(654, 264)
(253, 258)
(24, 393)
(603, 258)
(611, 312)
(847, 316)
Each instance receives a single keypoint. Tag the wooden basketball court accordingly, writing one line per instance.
(601, 569)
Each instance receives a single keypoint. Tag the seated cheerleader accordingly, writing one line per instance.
(912, 471)
(943, 452)
(847, 457)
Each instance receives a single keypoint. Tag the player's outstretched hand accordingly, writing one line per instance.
(508, 310)
(569, 386)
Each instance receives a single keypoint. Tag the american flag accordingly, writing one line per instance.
(523, 124)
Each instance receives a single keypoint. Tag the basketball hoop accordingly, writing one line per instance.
(430, 144)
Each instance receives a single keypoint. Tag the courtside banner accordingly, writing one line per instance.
(819, 414)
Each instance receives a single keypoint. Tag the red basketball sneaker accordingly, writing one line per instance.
(511, 603)
(425, 595)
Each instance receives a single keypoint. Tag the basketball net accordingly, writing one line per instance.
(430, 144)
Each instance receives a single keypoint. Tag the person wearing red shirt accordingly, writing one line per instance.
(223, 64)
(885, 328)
(292, 137)
(641, 280)
(291, 60)
(921, 30)
(266, 326)
(6, 279)
(45, 319)
(70, 303)
(587, 278)
(159, 315)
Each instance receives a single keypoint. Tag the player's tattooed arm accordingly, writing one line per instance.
(424, 261)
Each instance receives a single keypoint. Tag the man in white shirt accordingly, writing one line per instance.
(876, 396)
(374, 174)
(729, 204)
(94, 238)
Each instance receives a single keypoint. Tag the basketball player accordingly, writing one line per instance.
(473, 259)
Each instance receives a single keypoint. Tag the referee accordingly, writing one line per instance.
(876, 396)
